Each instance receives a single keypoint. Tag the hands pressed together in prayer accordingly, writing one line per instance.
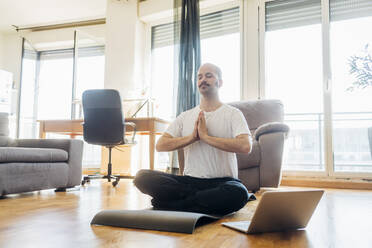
(200, 128)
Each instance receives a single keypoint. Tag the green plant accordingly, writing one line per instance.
(361, 68)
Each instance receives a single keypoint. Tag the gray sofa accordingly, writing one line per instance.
(262, 167)
(35, 164)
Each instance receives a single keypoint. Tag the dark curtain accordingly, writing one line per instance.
(187, 42)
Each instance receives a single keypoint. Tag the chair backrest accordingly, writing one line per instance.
(260, 112)
(103, 117)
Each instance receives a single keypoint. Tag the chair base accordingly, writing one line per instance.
(116, 178)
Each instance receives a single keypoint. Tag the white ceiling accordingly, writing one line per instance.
(28, 13)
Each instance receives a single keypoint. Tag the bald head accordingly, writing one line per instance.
(209, 80)
(214, 68)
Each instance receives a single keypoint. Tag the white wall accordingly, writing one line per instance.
(12, 55)
(124, 48)
(250, 50)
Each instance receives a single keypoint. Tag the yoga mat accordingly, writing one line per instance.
(159, 220)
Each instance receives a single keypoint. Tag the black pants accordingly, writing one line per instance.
(219, 196)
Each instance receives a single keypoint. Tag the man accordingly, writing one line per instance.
(210, 135)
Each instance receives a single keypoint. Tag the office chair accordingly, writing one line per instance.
(104, 125)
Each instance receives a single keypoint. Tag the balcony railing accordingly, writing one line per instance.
(304, 149)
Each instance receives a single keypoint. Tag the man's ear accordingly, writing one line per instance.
(220, 83)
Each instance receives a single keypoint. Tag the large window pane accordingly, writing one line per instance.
(293, 74)
(90, 74)
(55, 88)
(162, 85)
(228, 60)
(351, 40)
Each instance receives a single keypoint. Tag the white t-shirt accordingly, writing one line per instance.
(203, 160)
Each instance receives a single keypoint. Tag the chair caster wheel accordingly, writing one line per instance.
(116, 182)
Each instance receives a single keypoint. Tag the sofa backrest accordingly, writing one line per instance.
(260, 112)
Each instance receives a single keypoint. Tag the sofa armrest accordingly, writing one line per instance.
(271, 152)
(271, 127)
(73, 147)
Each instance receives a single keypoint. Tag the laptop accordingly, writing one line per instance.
(279, 211)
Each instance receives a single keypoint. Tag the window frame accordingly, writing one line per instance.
(329, 171)
(55, 53)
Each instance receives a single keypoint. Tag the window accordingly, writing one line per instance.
(309, 58)
(47, 89)
(352, 109)
(217, 30)
(293, 73)
(55, 85)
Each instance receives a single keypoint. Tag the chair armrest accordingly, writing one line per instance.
(271, 127)
(73, 147)
(271, 153)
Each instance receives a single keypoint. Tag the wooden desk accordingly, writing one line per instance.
(151, 126)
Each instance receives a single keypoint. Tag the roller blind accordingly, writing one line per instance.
(211, 25)
(348, 9)
(283, 14)
(68, 53)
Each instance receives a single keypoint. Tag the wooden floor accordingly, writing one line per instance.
(49, 219)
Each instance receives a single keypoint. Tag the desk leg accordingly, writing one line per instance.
(152, 149)
(42, 134)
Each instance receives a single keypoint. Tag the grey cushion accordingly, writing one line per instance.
(26, 177)
(21, 154)
(271, 127)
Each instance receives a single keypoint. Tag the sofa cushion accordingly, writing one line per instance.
(23, 154)
(250, 160)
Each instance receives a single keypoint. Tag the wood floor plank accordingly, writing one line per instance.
(48, 219)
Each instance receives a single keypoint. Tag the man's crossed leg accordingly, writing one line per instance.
(219, 196)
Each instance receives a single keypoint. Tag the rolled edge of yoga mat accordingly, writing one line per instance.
(159, 220)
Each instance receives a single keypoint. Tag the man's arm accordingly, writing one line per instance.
(240, 144)
(169, 143)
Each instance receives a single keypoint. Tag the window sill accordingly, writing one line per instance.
(338, 183)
